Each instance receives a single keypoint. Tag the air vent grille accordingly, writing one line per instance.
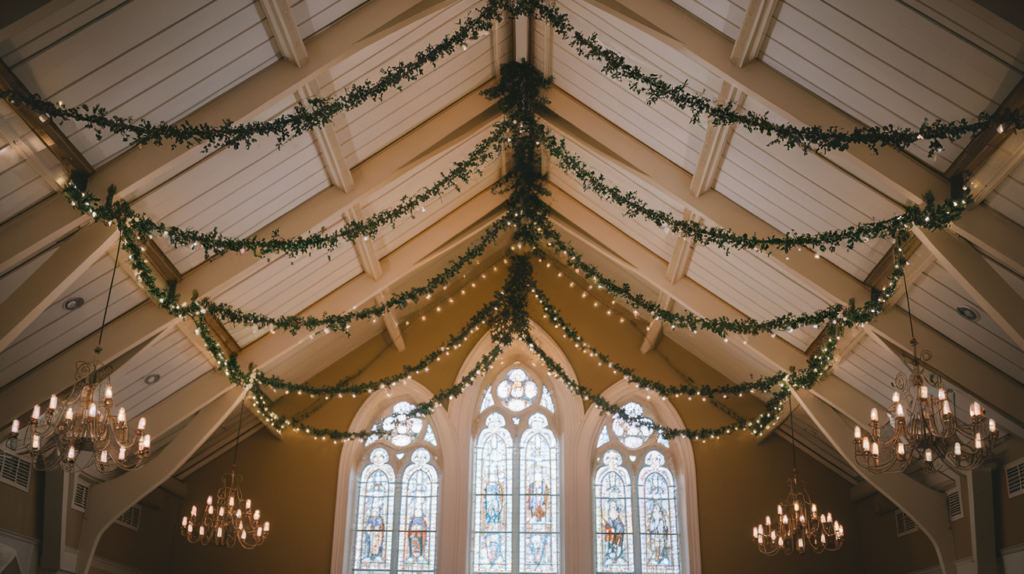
(81, 499)
(15, 470)
(904, 523)
(1015, 478)
(956, 510)
(130, 518)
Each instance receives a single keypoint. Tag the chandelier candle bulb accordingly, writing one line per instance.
(35, 442)
(874, 415)
(15, 426)
(71, 453)
(956, 449)
(103, 456)
(53, 403)
(142, 424)
(35, 413)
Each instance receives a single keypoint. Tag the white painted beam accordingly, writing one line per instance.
(924, 505)
(365, 251)
(52, 279)
(42, 161)
(110, 499)
(754, 31)
(716, 142)
(139, 169)
(682, 254)
(995, 234)
(999, 166)
(390, 323)
(985, 286)
(327, 143)
(656, 327)
(445, 130)
(286, 32)
(521, 31)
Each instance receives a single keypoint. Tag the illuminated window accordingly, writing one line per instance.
(516, 502)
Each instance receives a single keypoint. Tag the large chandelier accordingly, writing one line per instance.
(226, 520)
(924, 424)
(83, 423)
(798, 525)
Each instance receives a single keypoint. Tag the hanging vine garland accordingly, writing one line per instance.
(519, 96)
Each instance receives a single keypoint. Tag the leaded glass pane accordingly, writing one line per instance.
(613, 512)
(517, 391)
(402, 428)
(429, 436)
(492, 505)
(602, 439)
(659, 535)
(545, 399)
(662, 440)
(632, 434)
(538, 500)
(488, 401)
(417, 527)
(375, 516)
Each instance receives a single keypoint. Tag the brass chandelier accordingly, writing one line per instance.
(83, 423)
(924, 423)
(798, 526)
(226, 520)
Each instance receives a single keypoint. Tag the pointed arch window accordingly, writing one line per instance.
(635, 501)
(397, 499)
(517, 503)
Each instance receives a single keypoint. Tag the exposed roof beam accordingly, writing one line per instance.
(988, 145)
(139, 168)
(716, 142)
(42, 161)
(898, 174)
(996, 235)
(327, 143)
(51, 280)
(619, 148)
(365, 252)
(656, 326)
(214, 277)
(985, 286)
(926, 506)
(390, 323)
(756, 22)
(286, 32)
(682, 253)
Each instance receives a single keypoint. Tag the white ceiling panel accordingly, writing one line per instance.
(173, 357)
(1008, 197)
(56, 328)
(884, 63)
(726, 16)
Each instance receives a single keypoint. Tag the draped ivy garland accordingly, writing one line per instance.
(527, 217)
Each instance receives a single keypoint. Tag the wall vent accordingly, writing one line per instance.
(956, 510)
(130, 518)
(1015, 478)
(14, 470)
(904, 524)
(81, 499)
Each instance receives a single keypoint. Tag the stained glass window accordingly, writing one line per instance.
(614, 505)
(375, 516)
(488, 401)
(517, 391)
(417, 531)
(538, 502)
(516, 482)
(659, 536)
(492, 516)
(395, 529)
(645, 540)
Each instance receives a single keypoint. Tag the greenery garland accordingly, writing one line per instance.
(652, 87)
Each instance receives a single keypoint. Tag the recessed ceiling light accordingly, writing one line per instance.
(74, 303)
(151, 379)
(968, 313)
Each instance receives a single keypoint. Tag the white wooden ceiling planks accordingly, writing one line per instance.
(57, 328)
(146, 59)
(726, 16)
(21, 183)
(1008, 197)
(883, 63)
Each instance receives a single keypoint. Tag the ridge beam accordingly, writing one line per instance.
(390, 323)
(285, 31)
(756, 22)
(682, 252)
(716, 141)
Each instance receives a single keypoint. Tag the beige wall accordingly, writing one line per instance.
(20, 511)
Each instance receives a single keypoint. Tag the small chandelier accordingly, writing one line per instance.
(226, 520)
(799, 526)
(83, 423)
(925, 425)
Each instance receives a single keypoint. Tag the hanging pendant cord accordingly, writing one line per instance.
(238, 437)
(910, 315)
(113, 275)
(792, 429)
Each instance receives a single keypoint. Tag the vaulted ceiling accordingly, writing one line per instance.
(802, 61)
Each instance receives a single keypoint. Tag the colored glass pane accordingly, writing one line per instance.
(613, 513)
